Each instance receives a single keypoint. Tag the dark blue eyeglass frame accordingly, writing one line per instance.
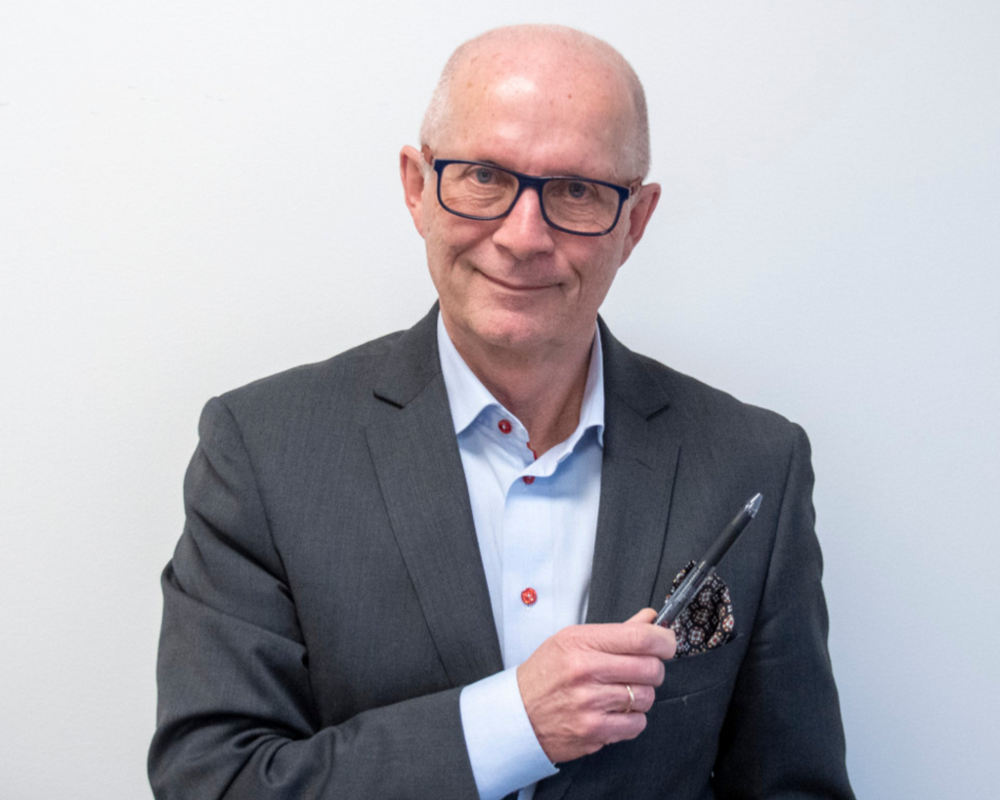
(537, 183)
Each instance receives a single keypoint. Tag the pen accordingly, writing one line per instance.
(679, 599)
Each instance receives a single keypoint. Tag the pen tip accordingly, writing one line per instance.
(753, 504)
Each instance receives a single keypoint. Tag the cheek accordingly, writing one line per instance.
(598, 268)
(452, 239)
(436, 242)
(448, 257)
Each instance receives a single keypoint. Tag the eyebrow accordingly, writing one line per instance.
(490, 162)
(576, 175)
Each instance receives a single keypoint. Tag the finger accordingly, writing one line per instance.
(635, 670)
(628, 699)
(633, 639)
(615, 699)
(645, 696)
(646, 615)
(622, 727)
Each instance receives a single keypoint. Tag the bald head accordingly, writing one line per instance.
(563, 60)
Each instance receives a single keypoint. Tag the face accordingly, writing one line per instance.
(515, 285)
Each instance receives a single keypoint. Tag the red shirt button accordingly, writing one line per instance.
(528, 479)
(504, 426)
(529, 596)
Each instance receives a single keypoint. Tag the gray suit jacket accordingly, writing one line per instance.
(327, 601)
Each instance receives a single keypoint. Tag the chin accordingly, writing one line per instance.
(512, 331)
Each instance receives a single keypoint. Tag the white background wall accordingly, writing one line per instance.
(195, 194)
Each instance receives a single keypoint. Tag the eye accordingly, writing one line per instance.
(484, 175)
(577, 190)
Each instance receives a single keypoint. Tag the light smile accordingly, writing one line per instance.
(516, 287)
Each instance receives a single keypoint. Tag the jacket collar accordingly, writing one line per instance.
(413, 363)
(415, 454)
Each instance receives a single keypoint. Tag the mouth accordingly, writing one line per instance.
(518, 287)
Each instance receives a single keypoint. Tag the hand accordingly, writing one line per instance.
(573, 685)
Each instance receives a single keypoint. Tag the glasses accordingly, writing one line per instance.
(475, 190)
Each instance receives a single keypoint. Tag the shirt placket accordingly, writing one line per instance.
(526, 550)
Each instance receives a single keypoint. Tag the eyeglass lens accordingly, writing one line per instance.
(482, 191)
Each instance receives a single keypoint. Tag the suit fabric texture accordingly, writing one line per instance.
(326, 602)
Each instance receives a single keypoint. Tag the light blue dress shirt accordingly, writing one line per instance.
(536, 522)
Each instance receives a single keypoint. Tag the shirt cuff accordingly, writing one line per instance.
(502, 747)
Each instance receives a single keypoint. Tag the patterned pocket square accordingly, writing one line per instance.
(708, 621)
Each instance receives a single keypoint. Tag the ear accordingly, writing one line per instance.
(411, 171)
(642, 209)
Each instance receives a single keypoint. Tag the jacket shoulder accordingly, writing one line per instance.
(713, 414)
(336, 387)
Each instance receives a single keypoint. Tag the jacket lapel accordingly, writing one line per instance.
(637, 478)
(415, 453)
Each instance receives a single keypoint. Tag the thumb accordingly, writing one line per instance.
(647, 615)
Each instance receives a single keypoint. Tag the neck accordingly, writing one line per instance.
(544, 390)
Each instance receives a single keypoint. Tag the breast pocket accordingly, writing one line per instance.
(690, 675)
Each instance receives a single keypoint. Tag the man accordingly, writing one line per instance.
(388, 555)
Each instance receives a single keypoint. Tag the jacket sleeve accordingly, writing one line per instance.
(783, 736)
(236, 717)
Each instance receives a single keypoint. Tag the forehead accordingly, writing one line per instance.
(550, 109)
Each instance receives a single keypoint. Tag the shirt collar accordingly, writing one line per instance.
(468, 397)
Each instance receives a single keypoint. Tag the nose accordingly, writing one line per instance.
(524, 231)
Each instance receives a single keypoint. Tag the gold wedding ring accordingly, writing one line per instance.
(631, 699)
